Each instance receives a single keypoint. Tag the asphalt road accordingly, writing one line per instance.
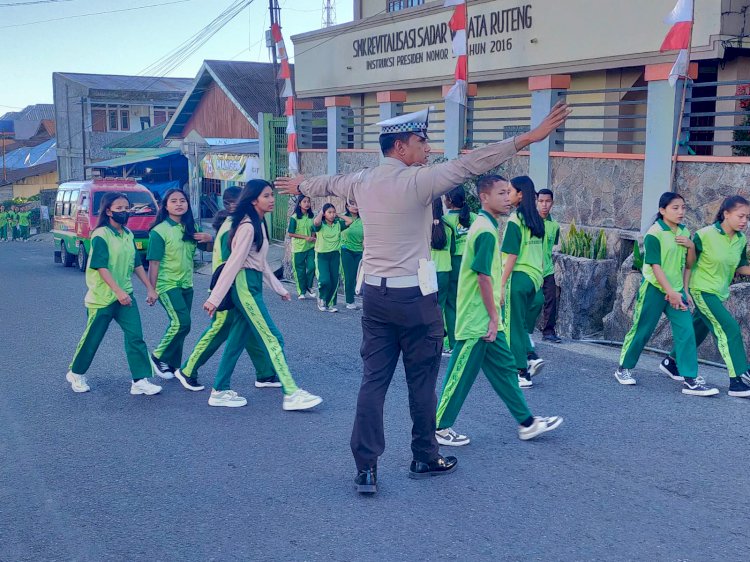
(634, 472)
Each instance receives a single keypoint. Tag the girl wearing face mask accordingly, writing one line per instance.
(243, 274)
(721, 250)
(669, 256)
(112, 262)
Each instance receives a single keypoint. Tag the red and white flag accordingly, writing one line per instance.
(679, 37)
(287, 92)
(457, 25)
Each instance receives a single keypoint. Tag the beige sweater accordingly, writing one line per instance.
(245, 256)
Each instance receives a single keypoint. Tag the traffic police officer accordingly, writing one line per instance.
(395, 204)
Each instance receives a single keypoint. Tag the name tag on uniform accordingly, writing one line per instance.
(427, 274)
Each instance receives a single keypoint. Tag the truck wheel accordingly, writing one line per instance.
(82, 258)
(67, 259)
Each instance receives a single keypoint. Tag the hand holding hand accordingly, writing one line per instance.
(123, 298)
(675, 300)
(152, 297)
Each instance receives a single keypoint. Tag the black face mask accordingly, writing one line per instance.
(121, 217)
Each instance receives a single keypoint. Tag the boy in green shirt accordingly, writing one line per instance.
(546, 299)
(480, 341)
(23, 224)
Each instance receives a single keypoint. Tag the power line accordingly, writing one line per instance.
(35, 2)
(95, 14)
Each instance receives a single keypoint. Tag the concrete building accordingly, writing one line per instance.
(93, 110)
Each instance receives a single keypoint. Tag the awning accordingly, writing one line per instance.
(140, 156)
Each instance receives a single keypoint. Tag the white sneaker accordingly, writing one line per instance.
(450, 438)
(77, 382)
(310, 294)
(300, 400)
(447, 352)
(332, 309)
(540, 425)
(535, 366)
(301, 297)
(623, 376)
(525, 382)
(353, 306)
(322, 306)
(227, 398)
(143, 386)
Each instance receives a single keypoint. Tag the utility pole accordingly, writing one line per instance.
(275, 14)
(329, 13)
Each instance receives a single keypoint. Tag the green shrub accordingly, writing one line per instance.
(581, 244)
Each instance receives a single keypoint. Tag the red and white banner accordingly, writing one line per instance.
(285, 74)
(457, 25)
(679, 37)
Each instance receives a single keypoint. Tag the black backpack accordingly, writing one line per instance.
(226, 303)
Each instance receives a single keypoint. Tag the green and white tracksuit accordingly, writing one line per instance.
(303, 253)
(3, 225)
(174, 285)
(328, 259)
(472, 353)
(523, 285)
(115, 252)
(459, 237)
(662, 250)
(221, 324)
(551, 239)
(719, 256)
(24, 224)
(444, 266)
(352, 246)
(12, 225)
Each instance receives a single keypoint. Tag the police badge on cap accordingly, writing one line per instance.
(416, 123)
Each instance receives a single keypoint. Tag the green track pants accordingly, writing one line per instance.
(349, 265)
(3, 232)
(649, 307)
(24, 232)
(213, 338)
(253, 321)
(96, 326)
(710, 316)
(177, 303)
(519, 298)
(449, 312)
(498, 365)
(303, 265)
(327, 271)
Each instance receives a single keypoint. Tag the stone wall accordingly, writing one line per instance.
(705, 185)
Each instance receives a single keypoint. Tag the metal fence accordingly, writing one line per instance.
(717, 119)
(312, 128)
(436, 129)
(495, 118)
(607, 119)
(360, 131)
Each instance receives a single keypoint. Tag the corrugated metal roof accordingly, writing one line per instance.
(28, 156)
(138, 83)
(152, 137)
(140, 156)
(35, 112)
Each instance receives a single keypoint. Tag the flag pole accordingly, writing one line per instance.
(675, 153)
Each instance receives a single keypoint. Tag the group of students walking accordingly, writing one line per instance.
(326, 246)
(238, 312)
(15, 223)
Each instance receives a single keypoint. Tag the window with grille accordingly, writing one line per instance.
(397, 5)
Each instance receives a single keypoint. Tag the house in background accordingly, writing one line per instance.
(94, 110)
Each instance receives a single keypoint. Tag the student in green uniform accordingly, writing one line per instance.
(303, 247)
(442, 247)
(668, 258)
(171, 247)
(221, 322)
(546, 299)
(459, 218)
(23, 224)
(243, 274)
(328, 226)
(523, 274)
(3, 224)
(112, 262)
(721, 250)
(480, 340)
(13, 223)
(352, 246)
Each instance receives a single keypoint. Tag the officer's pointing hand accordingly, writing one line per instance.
(289, 186)
(555, 119)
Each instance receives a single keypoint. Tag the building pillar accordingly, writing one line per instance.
(303, 119)
(337, 109)
(663, 120)
(455, 130)
(546, 91)
(391, 105)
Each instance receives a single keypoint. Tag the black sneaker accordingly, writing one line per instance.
(367, 481)
(552, 338)
(738, 388)
(270, 382)
(669, 367)
(161, 369)
(745, 377)
(438, 467)
(189, 383)
(698, 387)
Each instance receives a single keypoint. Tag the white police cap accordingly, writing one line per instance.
(416, 123)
